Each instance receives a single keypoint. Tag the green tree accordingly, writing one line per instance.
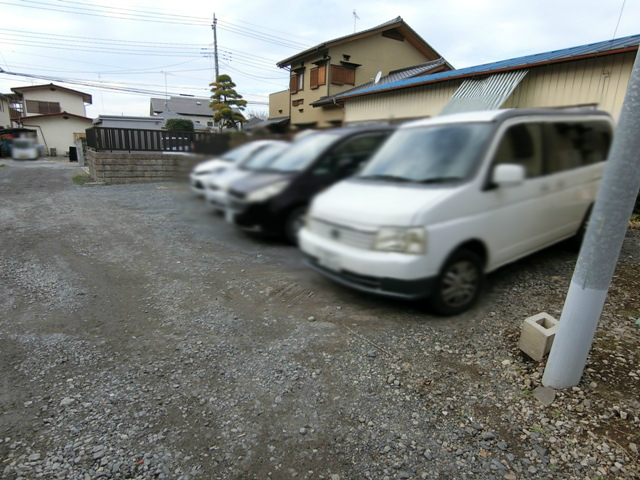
(223, 100)
(179, 125)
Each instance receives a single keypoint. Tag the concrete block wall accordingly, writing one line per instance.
(146, 167)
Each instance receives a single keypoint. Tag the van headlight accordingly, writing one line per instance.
(267, 192)
(405, 240)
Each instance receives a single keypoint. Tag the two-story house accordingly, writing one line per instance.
(338, 65)
(195, 109)
(56, 113)
(5, 119)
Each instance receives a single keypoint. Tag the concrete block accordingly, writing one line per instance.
(537, 334)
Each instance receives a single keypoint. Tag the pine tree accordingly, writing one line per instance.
(223, 98)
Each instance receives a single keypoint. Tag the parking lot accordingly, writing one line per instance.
(141, 336)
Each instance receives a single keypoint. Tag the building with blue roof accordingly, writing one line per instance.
(594, 75)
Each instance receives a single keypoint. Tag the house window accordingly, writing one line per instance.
(295, 103)
(209, 124)
(296, 81)
(35, 106)
(318, 76)
(343, 75)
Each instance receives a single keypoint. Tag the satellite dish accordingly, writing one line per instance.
(378, 76)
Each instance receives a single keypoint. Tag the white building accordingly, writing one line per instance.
(56, 113)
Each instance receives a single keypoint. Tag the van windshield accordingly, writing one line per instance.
(23, 143)
(430, 154)
(303, 152)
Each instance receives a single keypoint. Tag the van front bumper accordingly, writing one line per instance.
(356, 268)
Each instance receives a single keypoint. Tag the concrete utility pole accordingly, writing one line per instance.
(601, 248)
(215, 45)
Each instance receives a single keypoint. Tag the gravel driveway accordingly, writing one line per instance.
(142, 337)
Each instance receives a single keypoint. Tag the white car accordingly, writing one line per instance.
(217, 185)
(224, 161)
(448, 199)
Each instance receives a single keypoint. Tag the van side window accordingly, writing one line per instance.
(574, 145)
(350, 155)
(521, 144)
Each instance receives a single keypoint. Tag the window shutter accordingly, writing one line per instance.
(322, 75)
(337, 75)
(54, 107)
(33, 106)
(350, 76)
(313, 79)
(293, 83)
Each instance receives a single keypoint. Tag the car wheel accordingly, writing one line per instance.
(459, 283)
(295, 222)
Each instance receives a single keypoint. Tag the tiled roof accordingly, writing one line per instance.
(183, 105)
(396, 22)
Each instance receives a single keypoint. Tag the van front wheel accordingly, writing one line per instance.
(458, 285)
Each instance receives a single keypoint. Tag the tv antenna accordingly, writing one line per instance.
(355, 17)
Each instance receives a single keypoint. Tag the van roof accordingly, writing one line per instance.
(503, 114)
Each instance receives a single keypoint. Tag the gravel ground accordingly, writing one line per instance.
(142, 337)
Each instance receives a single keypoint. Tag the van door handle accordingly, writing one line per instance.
(561, 184)
(544, 188)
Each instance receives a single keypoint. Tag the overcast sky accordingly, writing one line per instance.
(158, 46)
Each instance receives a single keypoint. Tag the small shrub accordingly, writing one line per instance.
(80, 179)
(179, 125)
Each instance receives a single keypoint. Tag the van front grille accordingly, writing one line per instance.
(343, 234)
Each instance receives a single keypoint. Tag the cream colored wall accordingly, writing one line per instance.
(375, 53)
(601, 81)
(5, 121)
(69, 102)
(402, 104)
(308, 113)
(57, 132)
(279, 101)
(567, 84)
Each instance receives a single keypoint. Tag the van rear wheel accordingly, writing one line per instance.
(459, 283)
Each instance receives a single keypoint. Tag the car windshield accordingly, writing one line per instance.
(430, 154)
(303, 152)
(239, 153)
(264, 157)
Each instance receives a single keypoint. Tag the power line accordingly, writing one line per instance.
(39, 37)
(150, 18)
(250, 75)
(619, 18)
(98, 86)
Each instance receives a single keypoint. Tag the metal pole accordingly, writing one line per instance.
(601, 248)
(215, 45)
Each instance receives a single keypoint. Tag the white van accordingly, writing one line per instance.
(449, 199)
(24, 148)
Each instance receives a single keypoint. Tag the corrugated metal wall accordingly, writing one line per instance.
(410, 103)
(574, 83)
(600, 81)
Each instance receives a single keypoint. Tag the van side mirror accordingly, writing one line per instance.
(508, 174)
